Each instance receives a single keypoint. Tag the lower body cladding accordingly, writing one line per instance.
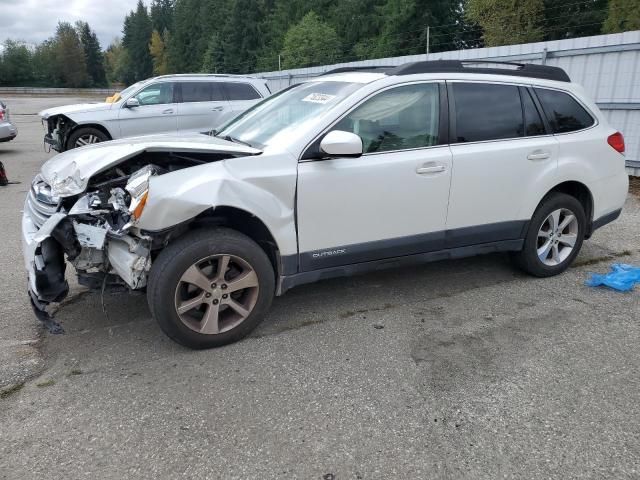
(98, 254)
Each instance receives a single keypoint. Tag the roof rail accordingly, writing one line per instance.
(370, 69)
(460, 66)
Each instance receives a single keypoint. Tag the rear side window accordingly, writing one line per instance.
(563, 112)
(532, 118)
(240, 91)
(200, 92)
(487, 112)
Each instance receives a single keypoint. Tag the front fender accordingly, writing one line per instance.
(265, 191)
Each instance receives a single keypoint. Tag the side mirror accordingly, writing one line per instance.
(339, 143)
(132, 103)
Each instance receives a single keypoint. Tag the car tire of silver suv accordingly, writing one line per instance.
(86, 136)
(211, 287)
(554, 237)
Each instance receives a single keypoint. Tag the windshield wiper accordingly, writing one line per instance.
(229, 138)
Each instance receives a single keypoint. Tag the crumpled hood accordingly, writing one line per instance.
(68, 173)
(78, 108)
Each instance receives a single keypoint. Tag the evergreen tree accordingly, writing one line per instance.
(310, 42)
(92, 54)
(136, 38)
(506, 22)
(161, 13)
(69, 58)
(213, 58)
(15, 64)
(242, 36)
(623, 15)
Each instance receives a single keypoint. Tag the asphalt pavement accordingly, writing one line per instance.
(460, 369)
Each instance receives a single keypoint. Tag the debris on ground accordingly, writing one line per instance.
(622, 277)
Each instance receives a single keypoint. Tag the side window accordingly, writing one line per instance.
(156, 94)
(532, 118)
(564, 113)
(397, 119)
(487, 112)
(240, 91)
(195, 92)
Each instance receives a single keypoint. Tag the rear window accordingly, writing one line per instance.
(487, 112)
(200, 92)
(240, 91)
(564, 113)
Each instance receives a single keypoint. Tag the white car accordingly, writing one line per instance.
(168, 104)
(8, 130)
(346, 173)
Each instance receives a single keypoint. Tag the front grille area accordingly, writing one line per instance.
(39, 206)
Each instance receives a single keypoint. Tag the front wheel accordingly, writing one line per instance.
(85, 136)
(210, 288)
(554, 238)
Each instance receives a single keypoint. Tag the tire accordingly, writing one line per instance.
(536, 241)
(87, 134)
(204, 252)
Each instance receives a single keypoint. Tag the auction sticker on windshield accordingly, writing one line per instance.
(318, 98)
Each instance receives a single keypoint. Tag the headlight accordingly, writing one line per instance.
(138, 188)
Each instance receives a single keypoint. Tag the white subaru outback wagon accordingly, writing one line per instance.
(346, 173)
(166, 104)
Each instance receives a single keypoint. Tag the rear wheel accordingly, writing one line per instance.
(555, 236)
(210, 288)
(86, 136)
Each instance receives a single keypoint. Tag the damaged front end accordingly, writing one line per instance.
(96, 232)
(85, 208)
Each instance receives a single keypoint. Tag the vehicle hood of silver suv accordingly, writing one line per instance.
(68, 173)
(78, 108)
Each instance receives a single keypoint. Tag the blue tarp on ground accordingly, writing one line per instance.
(622, 277)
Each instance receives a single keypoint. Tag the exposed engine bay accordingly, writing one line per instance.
(97, 231)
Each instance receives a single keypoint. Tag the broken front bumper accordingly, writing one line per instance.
(95, 252)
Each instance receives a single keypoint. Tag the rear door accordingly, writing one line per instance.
(241, 96)
(202, 106)
(502, 153)
(157, 112)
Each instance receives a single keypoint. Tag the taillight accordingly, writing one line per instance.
(1, 114)
(617, 142)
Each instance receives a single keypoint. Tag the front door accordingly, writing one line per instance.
(157, 112)
(391, 201)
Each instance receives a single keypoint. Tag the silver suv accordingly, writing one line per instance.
(345, 173)
(166, 104)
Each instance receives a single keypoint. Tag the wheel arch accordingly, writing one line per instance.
(244, 222)
(580, 192)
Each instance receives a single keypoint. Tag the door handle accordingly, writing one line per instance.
(167, 111)
(538, 156)
(217, 109)
(424, 170)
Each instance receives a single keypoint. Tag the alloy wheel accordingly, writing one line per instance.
(216, 294)
(557, 237)
(87, 140)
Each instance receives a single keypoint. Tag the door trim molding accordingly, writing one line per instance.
(415, 244)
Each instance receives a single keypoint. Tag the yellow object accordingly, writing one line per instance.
(113, 98)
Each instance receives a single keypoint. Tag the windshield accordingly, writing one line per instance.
(286, 110)
(130, 89)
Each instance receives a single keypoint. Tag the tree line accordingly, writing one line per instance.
(246, 36)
